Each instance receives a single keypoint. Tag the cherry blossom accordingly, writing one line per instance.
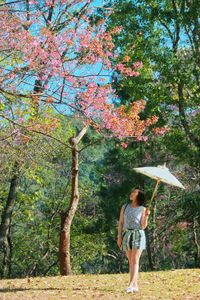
(65, 61)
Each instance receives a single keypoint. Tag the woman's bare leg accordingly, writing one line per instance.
(134, 261)
(128, 254)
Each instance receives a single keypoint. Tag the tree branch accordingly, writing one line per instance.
(177, 29)
(195, 140)
(81, 134)
(92, 143)
(27, 129)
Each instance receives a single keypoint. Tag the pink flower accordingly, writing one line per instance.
(124, 145)
(138, 65)
(20, 120)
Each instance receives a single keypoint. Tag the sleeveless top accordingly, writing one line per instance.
(132, 216)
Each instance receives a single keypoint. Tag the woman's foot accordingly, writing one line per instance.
(132, 289)
(134, 285)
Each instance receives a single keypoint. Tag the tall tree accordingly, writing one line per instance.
(164, 35)
(52, 54)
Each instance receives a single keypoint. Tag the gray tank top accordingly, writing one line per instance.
(132, 216)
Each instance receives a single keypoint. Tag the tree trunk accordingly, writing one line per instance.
(5, 239)
(67, 217)
(154, 234)
(197, 254)
(149, 250)
(193, 139)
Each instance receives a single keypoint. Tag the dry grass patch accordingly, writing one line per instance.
(166, 285)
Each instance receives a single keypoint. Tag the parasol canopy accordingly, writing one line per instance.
(160, 173)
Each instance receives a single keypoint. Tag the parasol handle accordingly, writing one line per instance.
(154, 192)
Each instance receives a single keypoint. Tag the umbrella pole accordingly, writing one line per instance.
(154, 192)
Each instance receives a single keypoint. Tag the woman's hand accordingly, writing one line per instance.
(147, 212)
(119, 241)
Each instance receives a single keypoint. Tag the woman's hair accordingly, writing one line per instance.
(141, 197)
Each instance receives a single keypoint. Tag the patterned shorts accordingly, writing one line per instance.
(133, 239)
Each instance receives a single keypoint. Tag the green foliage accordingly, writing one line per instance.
(169, 82)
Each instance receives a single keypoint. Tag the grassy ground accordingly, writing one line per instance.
(176, 285)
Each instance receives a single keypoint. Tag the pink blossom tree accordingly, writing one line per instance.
(51, 55)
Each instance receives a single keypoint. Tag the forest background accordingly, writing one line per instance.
(36, 172)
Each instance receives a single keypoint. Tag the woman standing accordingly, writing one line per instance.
(131, 236)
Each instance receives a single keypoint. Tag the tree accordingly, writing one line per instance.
(164, 35)
(20, 154)
(52, 54)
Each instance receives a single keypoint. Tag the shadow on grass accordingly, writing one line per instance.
(8, 290)
(13, 290)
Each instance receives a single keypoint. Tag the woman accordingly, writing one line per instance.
(131, 236)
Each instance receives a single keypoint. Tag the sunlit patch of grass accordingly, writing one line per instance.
(167, 285)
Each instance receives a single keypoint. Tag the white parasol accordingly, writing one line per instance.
(159, 173)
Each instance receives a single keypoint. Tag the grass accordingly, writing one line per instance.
(173, 285)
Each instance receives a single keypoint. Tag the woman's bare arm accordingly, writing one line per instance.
(120, 227)
(144, 218)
